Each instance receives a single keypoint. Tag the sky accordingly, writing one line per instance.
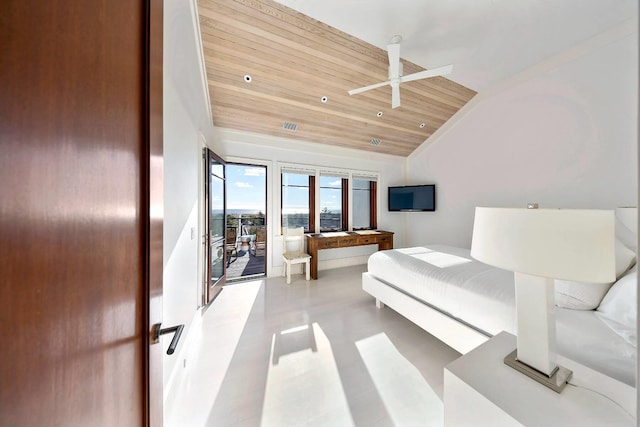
(246, 187)
(246, 190)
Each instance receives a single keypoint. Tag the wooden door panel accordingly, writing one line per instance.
(74, 239)
(155, 184)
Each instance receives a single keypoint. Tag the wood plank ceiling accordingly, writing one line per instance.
(294, 61)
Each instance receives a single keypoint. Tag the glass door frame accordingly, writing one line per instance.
(212, 287)
(265, 226)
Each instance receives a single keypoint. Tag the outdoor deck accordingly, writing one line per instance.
(245, 265)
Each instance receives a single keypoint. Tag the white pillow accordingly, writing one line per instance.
(619, 307)
(587, 296)
(580, 295)
(625, 234)
(625, 258)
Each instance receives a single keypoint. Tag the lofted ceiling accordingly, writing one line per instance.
(299, 51)
(294, 62)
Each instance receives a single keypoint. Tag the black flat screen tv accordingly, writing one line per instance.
(412, 198)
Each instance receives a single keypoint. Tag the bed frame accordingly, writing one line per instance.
(464, 338)
(456, 334)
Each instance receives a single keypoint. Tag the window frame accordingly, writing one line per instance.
(347, 176)
(344, 205)
(373, 199)
(311, 187)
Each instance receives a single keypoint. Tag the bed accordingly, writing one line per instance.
(464, 302)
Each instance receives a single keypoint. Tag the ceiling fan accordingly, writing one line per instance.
(395, 73)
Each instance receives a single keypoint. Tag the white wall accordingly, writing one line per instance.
(272, 151)
(562, 134)
(186, 117)
(186, 125)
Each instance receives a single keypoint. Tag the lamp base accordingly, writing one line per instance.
(556, 382)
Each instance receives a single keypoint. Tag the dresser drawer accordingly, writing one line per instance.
(385, 239)
(348, 241)
(367, 240)
(328, 244)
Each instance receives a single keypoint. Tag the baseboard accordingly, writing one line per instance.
(327, 264)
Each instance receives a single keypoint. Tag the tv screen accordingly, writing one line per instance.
(412, 198)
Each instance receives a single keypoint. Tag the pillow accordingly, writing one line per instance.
(625, 258)
(580, 295)
(623, 232)
(587, 296)
(618, 308)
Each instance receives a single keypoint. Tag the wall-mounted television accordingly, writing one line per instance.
(412, 198)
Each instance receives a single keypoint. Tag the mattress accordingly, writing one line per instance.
(448, 279)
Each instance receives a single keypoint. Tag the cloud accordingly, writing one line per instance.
(337, 182)
(243, 185)
(254, 171)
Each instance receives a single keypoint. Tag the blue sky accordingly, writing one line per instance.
(246, 187)
(330, 193)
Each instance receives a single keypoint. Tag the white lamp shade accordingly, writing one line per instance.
(568, 244)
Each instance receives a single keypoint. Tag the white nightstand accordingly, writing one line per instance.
(480, 390)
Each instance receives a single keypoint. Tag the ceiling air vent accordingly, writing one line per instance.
(375, 141)
(290, 126)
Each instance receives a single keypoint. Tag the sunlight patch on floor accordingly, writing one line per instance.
(217, 334)
(407, 396)
(303, 385)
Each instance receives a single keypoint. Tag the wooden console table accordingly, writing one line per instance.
(344, 239)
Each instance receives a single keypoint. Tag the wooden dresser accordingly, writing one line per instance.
(345, 239)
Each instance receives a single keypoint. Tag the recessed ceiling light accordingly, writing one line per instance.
(324, 99)
(422, 125)
(247, 78)
(379, 114)
(375, 141)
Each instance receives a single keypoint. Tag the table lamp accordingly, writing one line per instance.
(540, 245)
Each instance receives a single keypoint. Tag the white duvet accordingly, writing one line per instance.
(448, 279)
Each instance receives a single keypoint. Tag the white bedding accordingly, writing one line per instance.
(479, 295)
(582, 336)
(448, 279)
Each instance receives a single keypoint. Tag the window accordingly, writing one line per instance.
(364, 203)
(297, 201)
(333, 206)
(340, 199)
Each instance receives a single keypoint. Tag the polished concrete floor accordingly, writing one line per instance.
(315, 353)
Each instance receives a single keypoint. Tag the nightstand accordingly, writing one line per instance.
(480, 390)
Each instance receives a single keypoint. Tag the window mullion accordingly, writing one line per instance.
(312, 204)
(345, 203)
(373, 212)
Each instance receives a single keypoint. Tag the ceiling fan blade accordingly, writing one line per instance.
(366, 88)
(393, 50)
(395, 95)
(440, 71)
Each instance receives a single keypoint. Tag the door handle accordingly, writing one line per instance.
(176, 330)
